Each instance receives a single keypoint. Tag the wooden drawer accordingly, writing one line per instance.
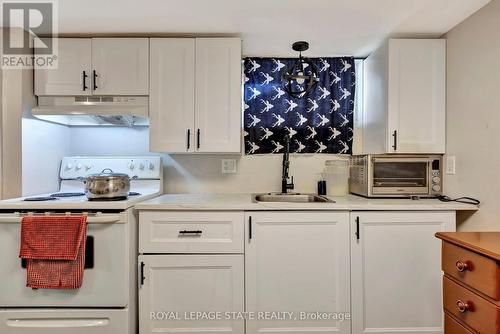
(451, 326)
(191, 232)
(480, 314)
(481, 273)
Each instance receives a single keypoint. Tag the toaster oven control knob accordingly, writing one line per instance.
(151, 166)
(141, 166)
(131, 166)
(436, 179)
(436, 187)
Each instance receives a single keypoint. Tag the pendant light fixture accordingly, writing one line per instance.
(302, 77)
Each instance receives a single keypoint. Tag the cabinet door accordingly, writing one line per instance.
(416, 96)
(121, 66)
(396, 271)
(171, 97)
(191, 283)
(218, 95)
(72, 76)
(297, 262)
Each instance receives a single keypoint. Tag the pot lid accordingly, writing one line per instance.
(108, 172)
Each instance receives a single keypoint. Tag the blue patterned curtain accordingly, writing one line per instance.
(320, 122)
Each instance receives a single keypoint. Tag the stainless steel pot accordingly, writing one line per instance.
(107, 185)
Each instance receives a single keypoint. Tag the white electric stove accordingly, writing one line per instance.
(106, 303)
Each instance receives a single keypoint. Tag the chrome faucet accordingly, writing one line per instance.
(286, 165)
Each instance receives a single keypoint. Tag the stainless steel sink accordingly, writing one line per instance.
(291, 198)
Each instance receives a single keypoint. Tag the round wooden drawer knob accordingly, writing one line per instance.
(462, 266)
(463, 306)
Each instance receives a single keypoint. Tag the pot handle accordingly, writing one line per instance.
(107, 171)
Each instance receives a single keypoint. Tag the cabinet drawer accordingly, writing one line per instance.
(477, 312)
(191, 232)
(451, 326)
(479, 272)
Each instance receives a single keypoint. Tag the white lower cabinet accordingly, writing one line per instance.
(297, 262)
(176, 287)
(293, 272)
(396, 271)
(191, 232)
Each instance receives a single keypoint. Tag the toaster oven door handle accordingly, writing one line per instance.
(427, 160)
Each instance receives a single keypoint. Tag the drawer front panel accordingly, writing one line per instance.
(471, 309)
(191, 232)
(451, 326)
(477, 271)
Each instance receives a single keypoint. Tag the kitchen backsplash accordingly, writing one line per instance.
(184, 173)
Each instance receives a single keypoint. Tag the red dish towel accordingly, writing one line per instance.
(54, 249)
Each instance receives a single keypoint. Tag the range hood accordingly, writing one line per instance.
(93, 110)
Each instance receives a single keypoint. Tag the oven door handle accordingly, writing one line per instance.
(104, 219)
(58, 323)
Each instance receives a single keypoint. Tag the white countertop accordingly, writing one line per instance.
(244, 202)
(77, 203)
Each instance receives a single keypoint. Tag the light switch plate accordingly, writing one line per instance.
(450, 165)
(228, 166)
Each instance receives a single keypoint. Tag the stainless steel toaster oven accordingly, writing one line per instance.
(388, 175)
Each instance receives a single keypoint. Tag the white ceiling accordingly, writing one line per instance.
(268, 27)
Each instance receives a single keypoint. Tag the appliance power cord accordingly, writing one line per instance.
(466, 200)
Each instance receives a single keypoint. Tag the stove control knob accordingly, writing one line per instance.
(87, 167)
(151, 166)
(131, 166)
(69, 166)
(78, 166)
(141, 166)
(436, 187)
(436, 179)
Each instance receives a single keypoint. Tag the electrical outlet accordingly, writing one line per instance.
(450, 165)
(228, 166)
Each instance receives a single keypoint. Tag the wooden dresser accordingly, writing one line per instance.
(471, 282)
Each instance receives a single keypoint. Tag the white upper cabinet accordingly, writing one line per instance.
(404, 102)
(97, 66)
(218, 94)
(297, 262)
(121, 66)
(396, 271)
(73, 74)
(171, 97)
(195, 100)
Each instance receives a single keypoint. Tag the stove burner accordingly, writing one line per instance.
(39, 199)
(67, 195)
(133, 193)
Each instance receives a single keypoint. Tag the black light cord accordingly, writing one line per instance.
(466, 200)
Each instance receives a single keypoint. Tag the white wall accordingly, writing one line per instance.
(44, 145)
(473, 114)
(17, 98)
(109, 141)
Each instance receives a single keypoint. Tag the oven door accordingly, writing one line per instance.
(400, 176)
(105, 278)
